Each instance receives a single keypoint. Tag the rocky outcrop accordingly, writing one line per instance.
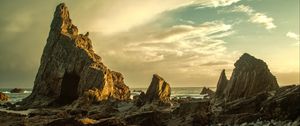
(284, 105)
(140, 100)
(17, 90)
(207, 91)
(159, 90)
(221, 86)
(149, 118)
(193, 113)
(249, 77)
(69, 67)
(246, 105)
(3, 97)
(253, 93)
(67, 121)
(281, 104)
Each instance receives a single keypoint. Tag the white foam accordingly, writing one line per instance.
(27, 91)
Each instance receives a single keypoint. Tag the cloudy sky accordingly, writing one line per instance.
(188, 42)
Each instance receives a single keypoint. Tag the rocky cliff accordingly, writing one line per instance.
(69, 66)
(249, 77)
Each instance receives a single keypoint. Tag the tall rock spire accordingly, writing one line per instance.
(69, 67)
(61, 21)
(221, 86)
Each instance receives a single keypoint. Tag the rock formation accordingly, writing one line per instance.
(69, 67)
(222, 83)
(159, 90)
(284, 105)
(140, 100)
(207, 91)
(17, 90)
(249, 77)
(3, 97)
(194, 113)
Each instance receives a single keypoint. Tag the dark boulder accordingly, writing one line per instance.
(140, 100)
(206, 91)
(17, 90)
(193, 113)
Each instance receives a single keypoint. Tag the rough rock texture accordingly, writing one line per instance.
(69, 66)
(140, 100)
(249, 77)
(193, 113)
(281, 104)
(246, 105)
(159, 90)
(3, 97)
(284, 105)
(149, 118)
(221, 86)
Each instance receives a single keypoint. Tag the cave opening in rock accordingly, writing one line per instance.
(69, 86)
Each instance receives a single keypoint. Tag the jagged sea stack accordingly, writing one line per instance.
(221, 86)
(159, 90)
(249, 77)
(69, 66)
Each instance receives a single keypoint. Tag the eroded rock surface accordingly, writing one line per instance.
(193, 113)
(221, 86)
(69, 67)
(249, 77)
(159, 90)
(284, 105)
(281, 104)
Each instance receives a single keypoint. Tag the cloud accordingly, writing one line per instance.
(214, 3)
(187, 21)
(215, 63)
(183, 40)
(181, 52)
(18, 23)
(121, 16)
(256, 17)
(263, 19)
(293, 35)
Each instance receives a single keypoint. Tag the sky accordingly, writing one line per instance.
(187, 42)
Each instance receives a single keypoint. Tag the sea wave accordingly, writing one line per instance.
(27, 91)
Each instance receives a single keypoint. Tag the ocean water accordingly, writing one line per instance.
(15, 97)
(179, 92)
